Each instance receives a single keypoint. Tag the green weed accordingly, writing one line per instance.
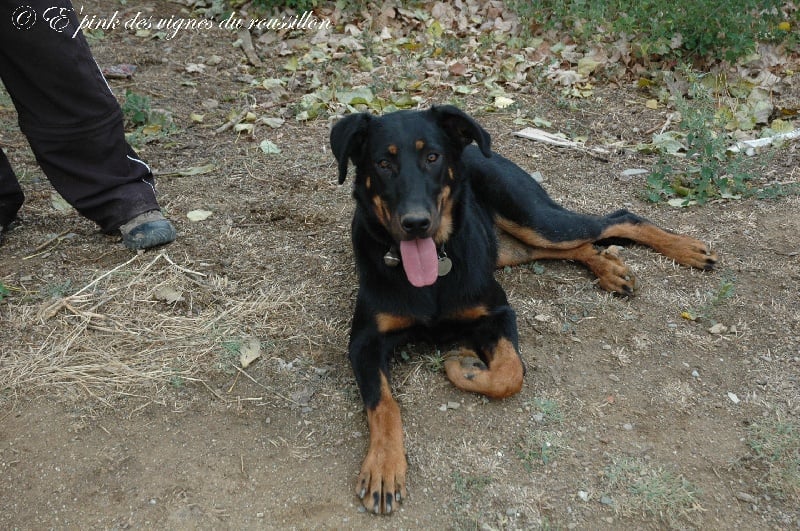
(57, 290)
(703, 29)
(229, 356)
(776, 442)
(547, 409)
(706, 170)
(136, 108)
(4, 291)
(538, 448)
(468, 489)
(638, 487)
(725, 290)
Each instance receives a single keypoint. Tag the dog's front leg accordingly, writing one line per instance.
(382, 480)
(490, 364)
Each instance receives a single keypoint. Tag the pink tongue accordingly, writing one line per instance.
(420, 261)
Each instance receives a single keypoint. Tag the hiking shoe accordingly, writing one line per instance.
(147, 230)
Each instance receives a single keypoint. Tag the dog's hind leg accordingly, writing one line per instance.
(612, 273)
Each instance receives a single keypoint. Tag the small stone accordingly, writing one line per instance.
(633, 172)
(613, 378)
(745, 497)
(718, 329)
(259, 515)
(443, 407)
(606, 500)
(453, 405)
(627, 426)
(606, 346)
(733, 398)
(583, 495)
(695, 374)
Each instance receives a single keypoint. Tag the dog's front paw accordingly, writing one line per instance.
(613, 274)
(696, 254)
(382, 481)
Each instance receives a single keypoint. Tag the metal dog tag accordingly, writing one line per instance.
(390, 258)
(445, 265)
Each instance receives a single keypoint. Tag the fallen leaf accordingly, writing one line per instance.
(59, 203)
(168, 294)
(198, 215)
(269, 148)
(501, 102)
(249, 352)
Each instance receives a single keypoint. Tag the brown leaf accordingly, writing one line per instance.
(457, 69)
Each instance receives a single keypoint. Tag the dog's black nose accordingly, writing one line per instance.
(415, 224)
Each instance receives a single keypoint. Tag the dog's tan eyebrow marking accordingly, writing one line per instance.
(392, 149)
(419, 144)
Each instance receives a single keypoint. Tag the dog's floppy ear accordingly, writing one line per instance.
(347, 140)
(462, 127)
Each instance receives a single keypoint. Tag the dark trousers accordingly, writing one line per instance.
(69, 115)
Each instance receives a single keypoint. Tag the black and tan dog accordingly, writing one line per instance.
(434, 217)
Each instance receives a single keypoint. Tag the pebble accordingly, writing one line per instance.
(745, 497)
(733, 398)
(627, 426)
(583, 495)
(605, 500)
(633, 172)
(695, 374)
(613, 378)
(718, 329)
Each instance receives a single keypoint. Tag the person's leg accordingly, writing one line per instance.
(11, 196)
(71, 118)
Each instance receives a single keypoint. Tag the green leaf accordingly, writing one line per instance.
(269, 148)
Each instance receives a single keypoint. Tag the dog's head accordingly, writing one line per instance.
(408, 175)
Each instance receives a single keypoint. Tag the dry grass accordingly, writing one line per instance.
(143, 324)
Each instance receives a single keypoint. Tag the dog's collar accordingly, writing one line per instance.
(392, 259)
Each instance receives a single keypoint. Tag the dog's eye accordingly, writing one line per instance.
(432, 157)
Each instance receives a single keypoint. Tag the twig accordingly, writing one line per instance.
(181, 268)
(265, 386)
(232, 122)
(247, 47)
(104, 275)
(46, 244)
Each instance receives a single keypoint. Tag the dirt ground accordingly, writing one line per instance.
(95, 433)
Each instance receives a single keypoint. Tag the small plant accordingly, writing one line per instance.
(547, 409)
(4, 291)
(136, 108)
(703, 29)
(539, 448)
(776, 442)
(434, 362)
(725, 290)
(468, 489)
(229, 357)
(638, 487)
(58, 290)
(706, 170)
